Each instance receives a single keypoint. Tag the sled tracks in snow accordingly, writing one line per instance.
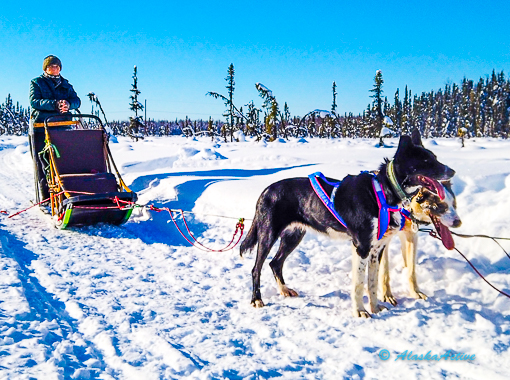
(43, 340)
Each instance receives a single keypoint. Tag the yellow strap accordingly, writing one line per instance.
(57, 123)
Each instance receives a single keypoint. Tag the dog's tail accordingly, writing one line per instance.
(250, 240)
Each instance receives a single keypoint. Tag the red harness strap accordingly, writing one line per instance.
(195, 242)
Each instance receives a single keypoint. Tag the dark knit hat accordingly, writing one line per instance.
(51, 60)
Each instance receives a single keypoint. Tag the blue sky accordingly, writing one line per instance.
(295, 48)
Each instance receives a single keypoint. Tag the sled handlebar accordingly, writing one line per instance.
(48, 122)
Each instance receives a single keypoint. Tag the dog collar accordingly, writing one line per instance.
(390, 171)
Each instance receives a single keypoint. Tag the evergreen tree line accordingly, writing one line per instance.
(151, 127)
(480, 109)
(468, 109)
(13, 118)
(471, 109)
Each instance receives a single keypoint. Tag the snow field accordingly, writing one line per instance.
(136, 301)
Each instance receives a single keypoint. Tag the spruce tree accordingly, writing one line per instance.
(232, 110)
(333, 106)
(135, 106)
(406, 108)
(397, 113)
(210, 128)
(272, 111)
(285, 117)
(230, 87)
(377, 103)
(252, 120)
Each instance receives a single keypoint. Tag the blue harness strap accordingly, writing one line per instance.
(327, 201)
(384, 207)
(406, 214)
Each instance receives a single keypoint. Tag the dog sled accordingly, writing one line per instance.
(75, 174)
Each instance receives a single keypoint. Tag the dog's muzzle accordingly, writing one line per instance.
(448, 173)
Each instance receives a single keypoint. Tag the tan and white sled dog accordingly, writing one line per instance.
(427, 207)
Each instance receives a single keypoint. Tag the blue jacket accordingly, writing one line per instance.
(44, 96)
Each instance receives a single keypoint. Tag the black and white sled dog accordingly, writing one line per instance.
(427, 207)
(286, 209)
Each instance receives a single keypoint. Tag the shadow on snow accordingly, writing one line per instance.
(44, 307)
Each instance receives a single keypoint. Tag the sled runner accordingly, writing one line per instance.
(73, 171)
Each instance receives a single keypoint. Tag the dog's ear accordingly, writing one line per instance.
(404, 142)
(416, 138)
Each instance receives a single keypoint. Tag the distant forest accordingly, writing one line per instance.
(469, 109)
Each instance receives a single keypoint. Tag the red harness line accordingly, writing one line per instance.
(121, 204)
(195, 243)
(46, 200)
(435, 235)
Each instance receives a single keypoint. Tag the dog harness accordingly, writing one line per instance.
(384, 207)
(328, 201)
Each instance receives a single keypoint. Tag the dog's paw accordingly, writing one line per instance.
(419, 295)
(390, 299)
(378, 308)
(361, 314)
(257, 304)
(288, 292)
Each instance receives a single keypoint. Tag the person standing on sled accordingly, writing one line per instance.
(51, 94)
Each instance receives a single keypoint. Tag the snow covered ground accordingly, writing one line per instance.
(136, 302)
